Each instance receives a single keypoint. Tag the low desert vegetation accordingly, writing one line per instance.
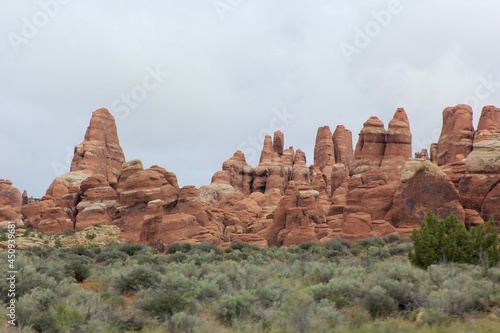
(336, 286)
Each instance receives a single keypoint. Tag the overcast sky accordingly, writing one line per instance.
(236, 70)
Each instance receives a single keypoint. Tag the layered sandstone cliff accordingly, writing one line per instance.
(375, 189)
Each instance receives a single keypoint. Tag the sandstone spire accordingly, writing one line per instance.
(100, 151)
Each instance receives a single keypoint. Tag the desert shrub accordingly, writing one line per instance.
(494, 274)
(402, 283)
(463, 295)
(399, 249)
(77, 267)
(378, 302)
(177, 257)
(358, 316)
(82, 251)
(136, 278)
(27, 279)
(148, 255)
(371, 242)
(449, 241)
(433, 317)
(40, 251)
(237, 256)
(161, 304)
(318, 272)
(108, 256)
(207, 290)
(221, 280)
(52, 267)
(242, 246)
(208, 248)
(60, 318)
(338, 244)
(270, 294)
(355, 251)
(327, 317)
(298, 310)
(234, 307)
(484, 244)
(179, 247)
(30, 305)
(339, 291)
(307, 246)
(392, 238)
(182, 322)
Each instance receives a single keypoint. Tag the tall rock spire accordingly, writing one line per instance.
(100, 151)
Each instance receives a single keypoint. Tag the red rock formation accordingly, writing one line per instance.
(295, 218)
(397, 139)
(371, 145)
(134, 194)
(46, 216)
(283, 201)
(300, 170)
(10, 192)
(240, 173)
(489, 124)
(9, 214)
(98, 204)
(25, 198)
(456, 135)
(481, 178)
(278, 142)
(324, 155)
(162, 230)
(342, 146)
(424, 187)
(100, 151)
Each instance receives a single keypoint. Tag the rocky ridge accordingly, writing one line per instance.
(376, 188)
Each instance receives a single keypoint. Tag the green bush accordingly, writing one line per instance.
(110, 255)
(82, 251)
(182, 322)
(449, 241)
(59, 318)
(179, 247)
(132, 280)
(235, 307)
(339, 291)
(208, 248)
(378, 302)
(128, 248)
(165, 305)
(371, 242)
(77, 267)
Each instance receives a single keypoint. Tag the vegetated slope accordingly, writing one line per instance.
(312, 287)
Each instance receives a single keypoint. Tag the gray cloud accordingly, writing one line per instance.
(227, 76)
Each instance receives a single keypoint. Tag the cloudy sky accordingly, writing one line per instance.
(190, 82)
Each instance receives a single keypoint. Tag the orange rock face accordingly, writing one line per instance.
(457, 134)
(10, 192)
(376, 189)
(424, 187)
(100, 151)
